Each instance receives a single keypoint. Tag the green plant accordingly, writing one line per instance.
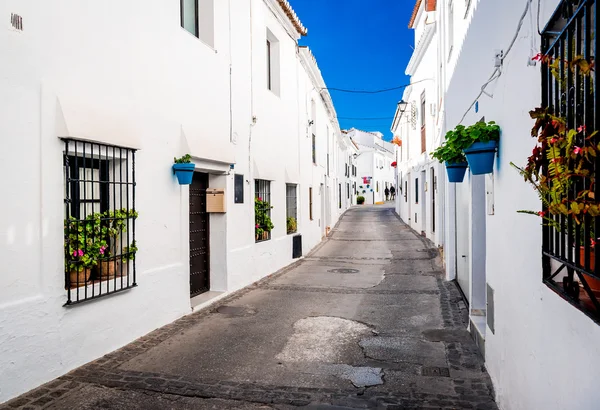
(186, 159)
(292, 225)
(129, 252)
(451, 150)
(360, 200)
(94, 238)
(567, 187)
(262, 219)
(483, 132)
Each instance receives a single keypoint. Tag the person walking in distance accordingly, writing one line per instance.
(387, 193)
(393, 192)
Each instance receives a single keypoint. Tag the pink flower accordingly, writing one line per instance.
(102, 249)
(553, 140)
(537, 57)
(541, 213)
(75, 253)
(577, 150)
(256, 226)
(592, 242)
(260, 199)
(581, 128)
(80, 252)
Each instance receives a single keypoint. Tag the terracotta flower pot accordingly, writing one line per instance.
(593, 282)
(79, 278)
(106, 269)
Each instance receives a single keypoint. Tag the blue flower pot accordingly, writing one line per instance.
(456, 171)
(481, 157)
(184, 173)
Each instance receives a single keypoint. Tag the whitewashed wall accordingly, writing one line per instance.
(167, 93)
(544, 353)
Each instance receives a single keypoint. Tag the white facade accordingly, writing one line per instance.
(417, 125)
(541, 352)
(374, 171)
(142, 81)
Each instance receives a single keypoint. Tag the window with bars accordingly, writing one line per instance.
(99, 224)
(189, 16)
(262, 210)
(569, 44)
(340, 196)
(291, 207)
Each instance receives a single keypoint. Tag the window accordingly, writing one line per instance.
(272, 63)
(189, 16)
(347, 190)
(99, 220)
(569, 255)
(405, 191)
(450, 27)
(340, 196)
(197, 17)
(291, 208)
(314, 149)
(377, 186)
(262, 210)
(423, 122)
(416, 190)
(238, 189)
(310, 203)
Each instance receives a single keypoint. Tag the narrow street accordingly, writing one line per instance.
(365, 321)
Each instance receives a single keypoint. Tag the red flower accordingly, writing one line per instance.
(537, 57)
(553, 140)
(577, 150)
(260, 199)
(592, 242)
(581, 128)
(542, 213)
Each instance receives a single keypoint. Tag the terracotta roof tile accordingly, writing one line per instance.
(430, 5)
(291, 14)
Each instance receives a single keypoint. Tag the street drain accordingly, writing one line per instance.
(343, 270)
(435, 371)
(236, 311)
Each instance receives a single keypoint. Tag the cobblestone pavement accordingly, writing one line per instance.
(365, 321)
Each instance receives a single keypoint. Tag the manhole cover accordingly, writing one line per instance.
(342, 270)
(436, 371)
(236, 311)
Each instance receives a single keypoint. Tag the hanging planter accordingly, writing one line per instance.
(480, 157)
(394, 164)
(456, 171)
(184, 169)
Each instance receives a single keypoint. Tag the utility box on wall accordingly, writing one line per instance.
(215, 200)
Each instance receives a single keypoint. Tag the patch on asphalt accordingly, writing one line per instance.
(343, 270)
(321, 339)
(236, 311)
(404, 349)
(358, 376)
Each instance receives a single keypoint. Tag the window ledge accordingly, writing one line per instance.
(200, 40)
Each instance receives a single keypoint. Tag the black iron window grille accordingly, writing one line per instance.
(99, 223)
(262, 210)
(291, 207)
(569, 92)
(340, 196)
(310, 203)
(314, 148)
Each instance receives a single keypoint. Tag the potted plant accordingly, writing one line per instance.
(360, 199)
(481, 150)
(567, 186)
(292, 225)
(184, 169)
(262, 221)
(80, 250)
(451, 154)
(114, 224)
(128, 254)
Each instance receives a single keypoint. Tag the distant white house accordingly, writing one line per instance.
(416, 125)
(374, 170)
(92, 117)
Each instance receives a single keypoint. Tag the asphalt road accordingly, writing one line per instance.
(364, 321)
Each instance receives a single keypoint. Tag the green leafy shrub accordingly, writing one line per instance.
(186, 159)
(360, 200)
(292, 225)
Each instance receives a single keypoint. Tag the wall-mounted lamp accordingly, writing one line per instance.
(402, 106)
(310, 122)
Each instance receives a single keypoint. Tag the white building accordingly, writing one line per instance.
(416, 124)
(540, 344)
(374, 170)
(112, 101)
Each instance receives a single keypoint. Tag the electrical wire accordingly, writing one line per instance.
(365, 118)
(497, 71)
(383, 90)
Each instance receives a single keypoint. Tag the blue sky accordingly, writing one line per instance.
(360, 45)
